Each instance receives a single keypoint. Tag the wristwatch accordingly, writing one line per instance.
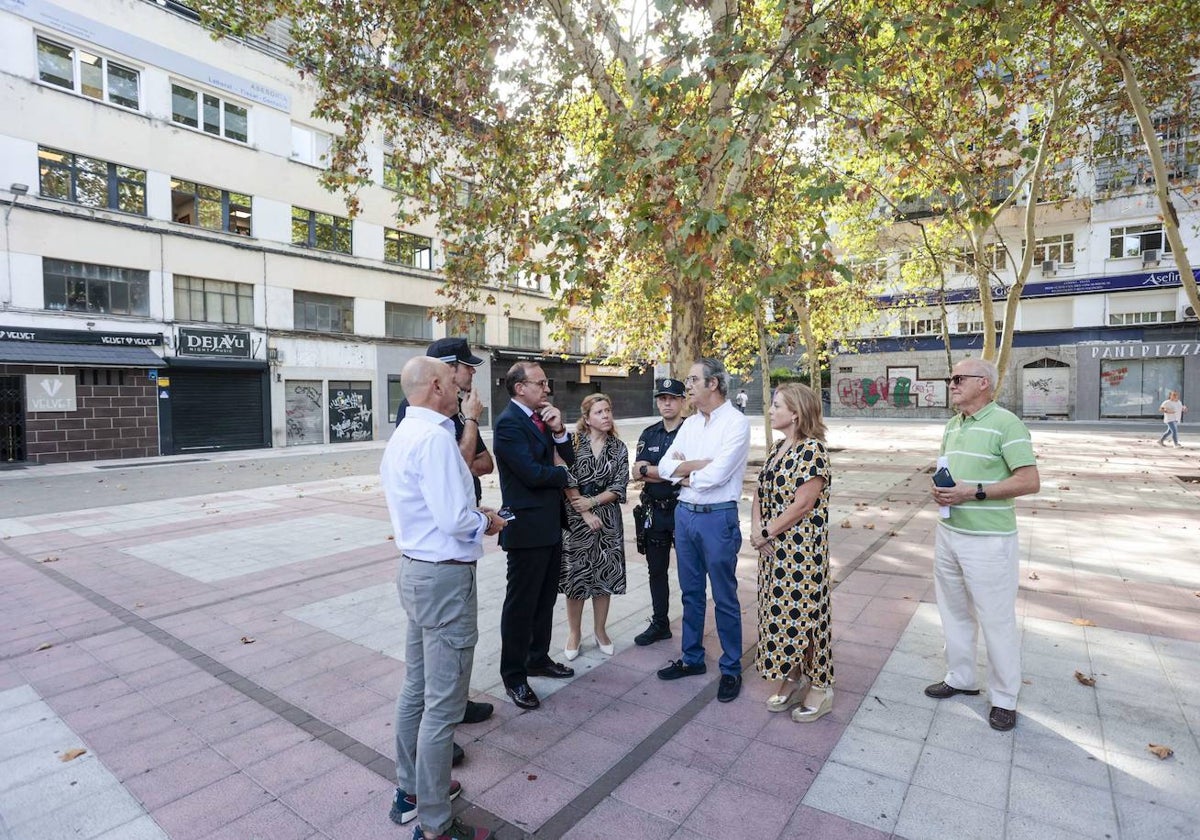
(643, 470)
(980, 493)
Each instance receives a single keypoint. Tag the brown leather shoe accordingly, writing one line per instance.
(1002, 720)
(940, 691)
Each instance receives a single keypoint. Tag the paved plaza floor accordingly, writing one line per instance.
(211, 647)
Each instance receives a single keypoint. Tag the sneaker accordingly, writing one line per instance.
(679, 669)
(1162, 443)
(731, 686)
(457, 830)
(656, 632)
(404, 806)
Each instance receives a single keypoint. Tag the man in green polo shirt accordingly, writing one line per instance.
(975, 559)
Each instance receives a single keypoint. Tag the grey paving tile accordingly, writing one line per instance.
(1068, 805)
(866, 798)
(963, 777)
(1142, 820)
(876, 752)
(963, 727)
(86, 816)
(936, 815)
(903, 688)
(1172, 783)
(895, 718)
(142, 828)
(1036, 748)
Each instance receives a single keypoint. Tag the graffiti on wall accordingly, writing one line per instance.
(302, 407)
(350, 414)
(901, 388)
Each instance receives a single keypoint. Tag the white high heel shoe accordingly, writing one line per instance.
(607, 649)
(571, 653)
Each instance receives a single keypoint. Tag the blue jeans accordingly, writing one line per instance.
(1172, 432)
(706, 546)
(441, 601)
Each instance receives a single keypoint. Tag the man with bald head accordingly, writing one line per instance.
(439, 532)
(990, 457)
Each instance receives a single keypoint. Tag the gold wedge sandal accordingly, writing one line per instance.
(794, 696)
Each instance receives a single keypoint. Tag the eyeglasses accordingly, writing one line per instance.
(540, 383)
(957, 379)
(692, 380)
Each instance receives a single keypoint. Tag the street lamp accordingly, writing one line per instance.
(17, 191)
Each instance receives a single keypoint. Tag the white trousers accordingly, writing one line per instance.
(975, 578)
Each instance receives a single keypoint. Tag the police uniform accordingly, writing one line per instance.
(658, 499)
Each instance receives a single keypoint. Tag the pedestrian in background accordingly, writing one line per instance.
(975, 562)
(741, 400)
(658, 500)
(439, 532)
(790, 530)
(593, 564)
(1172, 411)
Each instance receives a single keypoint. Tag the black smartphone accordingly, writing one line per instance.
(506, 514)
(942, 478)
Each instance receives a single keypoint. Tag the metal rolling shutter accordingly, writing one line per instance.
(217, 409)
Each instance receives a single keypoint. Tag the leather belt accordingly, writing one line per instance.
(439, 562)
(708, 508)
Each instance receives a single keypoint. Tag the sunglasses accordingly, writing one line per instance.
(957, 379)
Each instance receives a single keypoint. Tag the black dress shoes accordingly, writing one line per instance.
(477, 712)
(523, 696)
(458, 756)
(551, 669)
(941, 690)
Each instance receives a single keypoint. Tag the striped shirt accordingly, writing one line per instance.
(983, 449)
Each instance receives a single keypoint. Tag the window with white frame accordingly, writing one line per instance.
(524, 334)
(464, 191)
(407, 249)
(94, 76)
(399, 175)
(1133, 240)
(576, 341)
(322, 313)
(93, 183)
(921, 325)
(974, 326)
(210, 207)
(403, 320)
(471, 326)
(1131, 319)
(213, 301)
(311, 145)
(87, 287)
(209, 113)
(1060, 248)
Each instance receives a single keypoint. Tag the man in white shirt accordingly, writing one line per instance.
(708, 460)
(439, 532)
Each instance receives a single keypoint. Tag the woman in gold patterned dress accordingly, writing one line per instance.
(790, 529)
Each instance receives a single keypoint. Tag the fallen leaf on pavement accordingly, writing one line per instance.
(1160, 750)
(1083, 622)
(44, 646)
(1084, 679)
(1064, 487)
(71, 755)
(870, 526)
(138, 604)
(1034, 576)
(49, 560)
(1026, 682)
(846, 523)
(893, 533)
(532, 777)
(247, 640)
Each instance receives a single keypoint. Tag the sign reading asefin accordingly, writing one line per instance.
(44, 392)
(214, 343)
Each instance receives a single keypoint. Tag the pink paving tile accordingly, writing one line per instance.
(101, 714)
(136, 757)
(335, 793)
(187, 684)
(775, 771)
(255, 744)
(582, 757)
(296, 766)
(202, 704)
(625, 723)
(732, 809)
(51, 685)
(854, 678)
(225, 723)
(809, 822)
(368, 822)
(200, 814)
(855, 654)
(485, 767)
(160, 673)
(130, 731)
(176, 779)
(574, 704)
(813, 739)
(376, 731)
(90, 695)
(668, 695)
(349, 704)
(273, 821)
(612, 679)
(701, 745)
(745, 716)
(666, 789)
(527, 735)
(528, 797)
(613, 818)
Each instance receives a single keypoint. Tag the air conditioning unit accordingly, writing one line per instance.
(1151, 256)
(1189, 313)
(1049, 267)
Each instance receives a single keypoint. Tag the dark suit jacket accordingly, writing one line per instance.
(530, 484)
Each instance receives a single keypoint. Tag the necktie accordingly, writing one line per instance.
(538, 421)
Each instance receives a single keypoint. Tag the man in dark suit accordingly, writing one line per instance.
(526, 435)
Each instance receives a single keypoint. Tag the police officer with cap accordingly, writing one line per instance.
(657, 509)
(456, 352)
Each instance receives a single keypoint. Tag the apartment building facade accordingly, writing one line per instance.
(174, 277)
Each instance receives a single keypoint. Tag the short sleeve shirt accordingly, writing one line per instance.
(652, 446)
(983, 449)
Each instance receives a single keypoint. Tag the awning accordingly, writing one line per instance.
(77, 355)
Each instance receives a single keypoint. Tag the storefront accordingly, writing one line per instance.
(1131, 379)
(77, 395)
(213, 395)
(571, 379)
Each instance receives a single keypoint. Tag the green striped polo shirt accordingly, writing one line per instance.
(983, 449)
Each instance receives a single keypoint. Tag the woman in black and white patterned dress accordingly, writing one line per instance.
(593, 562)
